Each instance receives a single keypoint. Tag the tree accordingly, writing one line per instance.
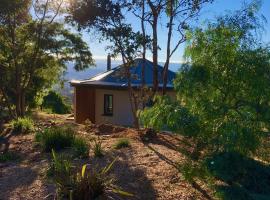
(224, 85)
(56, 103)
(180, 14)
(108, 20)
(33, 50)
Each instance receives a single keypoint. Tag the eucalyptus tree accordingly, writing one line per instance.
(177, 16)
(223, 89)
(181, 15)
(34, 48)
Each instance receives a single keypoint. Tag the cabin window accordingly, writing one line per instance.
(108, 104)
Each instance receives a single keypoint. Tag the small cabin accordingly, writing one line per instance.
(104, 98)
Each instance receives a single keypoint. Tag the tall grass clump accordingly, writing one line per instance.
(22, 125)
(60, 167)
(56, 138)
(97, 148)
(122, 143)
(84, 183)
(80, 148)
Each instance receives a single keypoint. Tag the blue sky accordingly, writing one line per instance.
(209, 12)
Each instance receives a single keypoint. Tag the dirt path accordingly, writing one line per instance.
(149, 171)
(24, 178)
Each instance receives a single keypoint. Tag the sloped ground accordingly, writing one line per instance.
(147, 170)
(24, 178)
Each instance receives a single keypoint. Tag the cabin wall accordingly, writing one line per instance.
(84, 104)
(89, 104)
(122, 114)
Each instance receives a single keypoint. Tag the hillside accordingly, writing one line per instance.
(147, 168)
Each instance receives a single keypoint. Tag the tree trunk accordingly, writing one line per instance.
(23, 103)
(143, 53)
(168, 53)
(132, 98)
(155, 54)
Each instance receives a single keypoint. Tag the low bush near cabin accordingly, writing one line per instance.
(59, 138)
(80, 147)
(167, 114)
(22, 125)
(122, 143)
(56, 138)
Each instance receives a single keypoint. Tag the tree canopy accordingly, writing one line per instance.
(225, 84)
(34, 50)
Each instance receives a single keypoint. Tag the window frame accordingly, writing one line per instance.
(105, 110)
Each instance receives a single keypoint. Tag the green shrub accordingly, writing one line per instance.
(98, 152)
(22, 125)
(8, 156)
(80, 147)
(60, 167)
(167, 114)
(191, 170)
(56, 138)
(86, 183)
(122, 143)
(55, 103)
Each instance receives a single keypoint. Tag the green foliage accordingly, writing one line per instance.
(98, 151)
(60, 167)
(22, 125)
(56, 138)
(225, 83)
(223, 89)
(84, 183)
(169, 114)
(56, 103)
(8, 156)
(80, 148)
(34, 51)
(122, 143)
(59, 138)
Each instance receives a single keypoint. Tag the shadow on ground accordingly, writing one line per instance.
(15, 177)
(169, 141)
(131, 179)
(244, 178)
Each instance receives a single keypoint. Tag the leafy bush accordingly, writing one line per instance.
(80, 147)
(82, 184)
(98, 151)
(56, 138)
(169, 114)
(122, 143)
(22, 125)
(8, 156)
(56, 103)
